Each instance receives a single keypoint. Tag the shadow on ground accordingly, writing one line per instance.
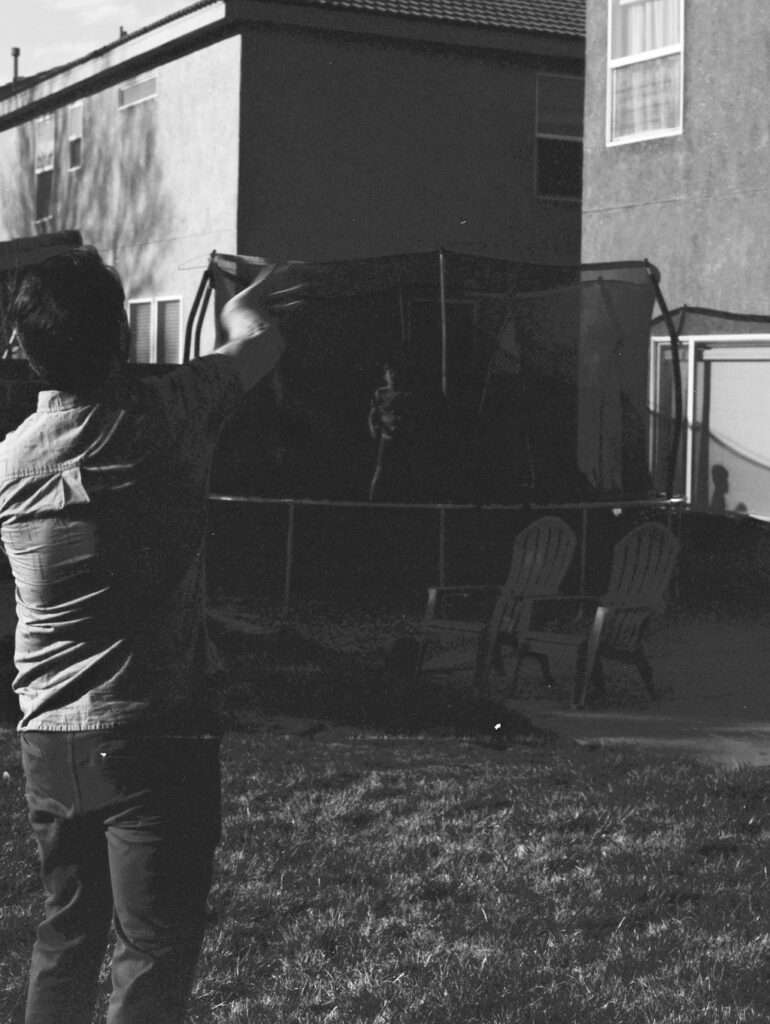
(286, 674)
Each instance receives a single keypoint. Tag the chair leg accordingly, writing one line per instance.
(420, 659)
(586, 683)
(486, 653)
(596, 682)
(523, 652)
(645, 671)
(545, 668)
(519, 654)
(580, 686)
(588, 659)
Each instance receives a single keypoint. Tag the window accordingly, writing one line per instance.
(155, 330)
(75, 135)
(723, 464)
(44, 160)
(138, 91)
(559, 129)
(167, 331)
(644, 88)
(140, 322)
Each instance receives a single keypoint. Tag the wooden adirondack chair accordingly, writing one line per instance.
(542, 553)
(642, 566)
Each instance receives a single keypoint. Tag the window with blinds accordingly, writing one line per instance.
(644, 87)
(156, 328)
(140, 322)
(168, 330)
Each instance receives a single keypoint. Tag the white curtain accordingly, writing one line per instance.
(642, 25)
(645, 93)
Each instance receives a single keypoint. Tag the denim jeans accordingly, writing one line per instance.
(126, 829)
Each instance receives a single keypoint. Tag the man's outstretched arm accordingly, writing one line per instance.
(254, 342)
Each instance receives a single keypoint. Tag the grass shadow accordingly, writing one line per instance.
(286, 673)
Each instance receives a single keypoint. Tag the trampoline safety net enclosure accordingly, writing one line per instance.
(515, 382)
(519, 382)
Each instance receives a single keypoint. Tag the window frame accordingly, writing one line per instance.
(49, 169)
(554, 137)
(694, 350)
(144, 300)
(643, 56)
(155, 323)
(138, 80)
(154, 304)
(72, 137)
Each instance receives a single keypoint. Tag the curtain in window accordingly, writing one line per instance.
(645, 92)
(642, 25)
(646, 96)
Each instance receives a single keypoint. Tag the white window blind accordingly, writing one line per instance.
(140, 322)
(169, 324)
(156, 326)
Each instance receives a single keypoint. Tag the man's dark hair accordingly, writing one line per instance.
(70, 319)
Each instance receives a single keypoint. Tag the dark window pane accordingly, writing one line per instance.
(76, 150)
(44, 195)
(559, 168)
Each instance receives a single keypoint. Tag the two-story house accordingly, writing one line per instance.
(303, 129)
(677, 143)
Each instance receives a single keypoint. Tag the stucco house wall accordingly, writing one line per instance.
(290, 131)
(158, 185)
(696, 204)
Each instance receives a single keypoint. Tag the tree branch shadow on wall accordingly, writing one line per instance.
(117, 198)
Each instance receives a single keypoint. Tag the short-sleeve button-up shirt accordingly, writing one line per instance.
(103, 518)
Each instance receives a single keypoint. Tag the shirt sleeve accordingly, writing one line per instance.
(199, 397)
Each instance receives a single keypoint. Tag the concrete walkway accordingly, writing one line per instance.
(714, 676)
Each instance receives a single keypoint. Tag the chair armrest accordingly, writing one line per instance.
(561, 612)
(622, 606)
(472, 588)
(468, 598)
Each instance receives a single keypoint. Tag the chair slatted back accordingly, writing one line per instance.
(542, 554)
(642, 566)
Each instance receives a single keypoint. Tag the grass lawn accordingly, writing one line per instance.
(394, 860)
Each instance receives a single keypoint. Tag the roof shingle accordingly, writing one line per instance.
(550, 17)
(544, 17)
